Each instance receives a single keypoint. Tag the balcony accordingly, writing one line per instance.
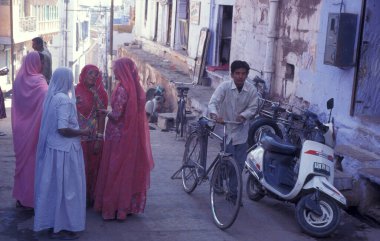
(28, 24)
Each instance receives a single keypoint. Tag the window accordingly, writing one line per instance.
(85, 30)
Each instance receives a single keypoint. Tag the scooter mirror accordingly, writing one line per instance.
(330, 104)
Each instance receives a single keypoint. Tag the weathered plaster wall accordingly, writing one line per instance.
(301, 28)
(194, 29)
(145, 29)
(249, 25)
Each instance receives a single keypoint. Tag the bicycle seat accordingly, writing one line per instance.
(182, 88)
(273, 143)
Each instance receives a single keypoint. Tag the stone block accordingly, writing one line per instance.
(343, 181)
(165, 121)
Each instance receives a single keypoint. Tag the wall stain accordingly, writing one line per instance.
(307, 8)
(296, 46)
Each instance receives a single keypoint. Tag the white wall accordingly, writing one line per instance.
(301, 42)
(194, 30)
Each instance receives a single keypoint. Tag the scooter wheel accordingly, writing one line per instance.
(254, 190)
(318, 225)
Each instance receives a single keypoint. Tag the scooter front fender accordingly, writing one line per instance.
(322, 184)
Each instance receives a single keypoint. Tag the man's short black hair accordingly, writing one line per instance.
(39, 41)
(239, 64)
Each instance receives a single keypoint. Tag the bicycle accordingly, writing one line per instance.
(279, 118)
(226, 180)
(181, 119)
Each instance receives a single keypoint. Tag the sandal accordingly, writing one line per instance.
(64, 235)
(69, 235)
(19, 205)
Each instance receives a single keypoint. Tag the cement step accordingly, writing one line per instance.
(371, 174)
(166, 121)
(355, 158)
(343, 181)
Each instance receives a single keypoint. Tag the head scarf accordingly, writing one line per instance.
(29, 91)
(137, 130)
(61, 82)
(86, 95)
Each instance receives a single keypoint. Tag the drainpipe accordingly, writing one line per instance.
(212, 21)
(12, 45)
(271, 36)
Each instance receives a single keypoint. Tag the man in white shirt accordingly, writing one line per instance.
(235, 100)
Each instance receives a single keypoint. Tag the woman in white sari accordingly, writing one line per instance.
(60, 186)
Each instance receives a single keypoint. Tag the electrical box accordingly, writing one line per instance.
(340, 39)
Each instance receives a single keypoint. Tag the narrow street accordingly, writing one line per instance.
(170, 214)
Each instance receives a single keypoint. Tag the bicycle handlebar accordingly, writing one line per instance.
(224, 122)
(181, 83)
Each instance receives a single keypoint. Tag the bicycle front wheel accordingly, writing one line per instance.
(225, 192)
(191, 161)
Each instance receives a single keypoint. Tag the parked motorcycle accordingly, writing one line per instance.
(299, 174)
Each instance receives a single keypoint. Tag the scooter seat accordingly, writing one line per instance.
(273, 143)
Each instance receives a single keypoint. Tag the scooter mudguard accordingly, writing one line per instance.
(312, 204)
(323, 185)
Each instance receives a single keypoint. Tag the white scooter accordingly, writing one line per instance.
(301, 175)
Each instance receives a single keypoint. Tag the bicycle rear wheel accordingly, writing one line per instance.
(191, 161)
(181, 118)
(225, 192)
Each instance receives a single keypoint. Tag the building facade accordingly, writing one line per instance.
(21, 22)
(72, 47)
(310, 51)
(306, 51)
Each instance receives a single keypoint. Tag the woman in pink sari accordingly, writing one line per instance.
(29, 90)
(124, 173)
(91, 96)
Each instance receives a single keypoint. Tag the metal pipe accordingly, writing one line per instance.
(66, 29)
(271, 36)
(357, 64)
(12, 45)
(111, 46)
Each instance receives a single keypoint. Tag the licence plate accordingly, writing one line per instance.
(321, 168)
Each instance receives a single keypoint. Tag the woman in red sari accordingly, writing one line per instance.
(91, 96)
(124, 173)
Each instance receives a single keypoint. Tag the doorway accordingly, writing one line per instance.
(169, 24)
(224, 31)
(367, 87)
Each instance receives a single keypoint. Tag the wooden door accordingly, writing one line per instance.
(367, 96)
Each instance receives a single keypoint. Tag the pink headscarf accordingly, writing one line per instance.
(29, 90)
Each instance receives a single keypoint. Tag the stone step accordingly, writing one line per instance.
(343, 181)
(355, 158)
(371, 174)
(166, 121)
(217, 77)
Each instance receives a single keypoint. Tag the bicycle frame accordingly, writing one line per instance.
(221, 153)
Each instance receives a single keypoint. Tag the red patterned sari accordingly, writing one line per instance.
(88, 101)
(124, 173)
